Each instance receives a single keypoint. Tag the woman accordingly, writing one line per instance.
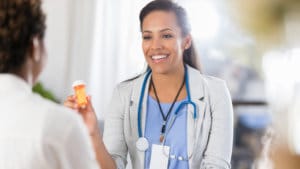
(171, 116)
(34, 133)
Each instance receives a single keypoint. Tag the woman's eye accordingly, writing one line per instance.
(167, 36)
(146, 37)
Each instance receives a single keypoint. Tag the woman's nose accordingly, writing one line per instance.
(156, 43)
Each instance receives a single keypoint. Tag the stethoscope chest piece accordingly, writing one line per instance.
(142, 144)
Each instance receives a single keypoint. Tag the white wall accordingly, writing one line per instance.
(57, 43)
(68, 40)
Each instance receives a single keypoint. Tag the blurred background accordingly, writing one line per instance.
(254, 45)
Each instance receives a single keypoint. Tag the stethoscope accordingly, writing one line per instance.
(142, 143)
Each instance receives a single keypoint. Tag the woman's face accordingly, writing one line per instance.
(163, 43)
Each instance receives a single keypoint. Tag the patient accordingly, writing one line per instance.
(34, 133)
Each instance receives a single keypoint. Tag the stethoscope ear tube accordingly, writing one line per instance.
(187, 103)
(141, 103)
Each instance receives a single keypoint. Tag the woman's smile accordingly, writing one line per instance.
(159, 58)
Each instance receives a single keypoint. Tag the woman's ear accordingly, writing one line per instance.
(187, 41)
(34, 50)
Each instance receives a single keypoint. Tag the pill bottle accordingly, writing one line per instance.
(80, 93)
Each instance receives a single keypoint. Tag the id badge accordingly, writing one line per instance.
(159, 156)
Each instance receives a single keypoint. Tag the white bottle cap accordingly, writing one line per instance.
(78, 82)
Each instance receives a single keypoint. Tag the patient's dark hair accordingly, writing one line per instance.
(20, 22)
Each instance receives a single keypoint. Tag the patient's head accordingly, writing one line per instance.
(22, 29)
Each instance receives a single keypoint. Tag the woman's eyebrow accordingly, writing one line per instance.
(166, 29)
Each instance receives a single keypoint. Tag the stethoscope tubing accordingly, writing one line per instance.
(178, 108)
(141, 102)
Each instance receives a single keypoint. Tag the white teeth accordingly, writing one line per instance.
(159, 57)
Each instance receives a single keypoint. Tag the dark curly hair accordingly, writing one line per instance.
(190, 56)
(20, 22)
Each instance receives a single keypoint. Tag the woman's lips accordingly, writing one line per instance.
(159, 58)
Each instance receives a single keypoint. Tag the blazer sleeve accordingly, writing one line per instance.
(220, 140)
(113, 135)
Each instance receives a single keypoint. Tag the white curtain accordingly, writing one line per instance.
(69, 34)
(116, 48)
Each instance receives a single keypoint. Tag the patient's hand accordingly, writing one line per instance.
(87, 112)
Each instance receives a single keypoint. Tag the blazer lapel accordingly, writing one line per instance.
(135, 98)
(134, 102)
(197, 96)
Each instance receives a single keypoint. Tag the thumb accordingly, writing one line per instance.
(89, 103)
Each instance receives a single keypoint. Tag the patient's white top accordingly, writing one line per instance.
(38, 134)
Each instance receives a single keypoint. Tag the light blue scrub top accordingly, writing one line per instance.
(176, 138)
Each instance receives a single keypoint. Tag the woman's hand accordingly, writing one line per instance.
(87, 112)
(89, 116)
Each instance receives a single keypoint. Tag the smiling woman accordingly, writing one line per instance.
(163, 42)
(170, 116)
(173, 28)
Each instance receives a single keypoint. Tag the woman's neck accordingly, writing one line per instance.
(167, 85)
(25, 72)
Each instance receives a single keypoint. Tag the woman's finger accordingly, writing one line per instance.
(70, 104)
(71, 98)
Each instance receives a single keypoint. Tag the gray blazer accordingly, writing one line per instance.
(209, 137)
